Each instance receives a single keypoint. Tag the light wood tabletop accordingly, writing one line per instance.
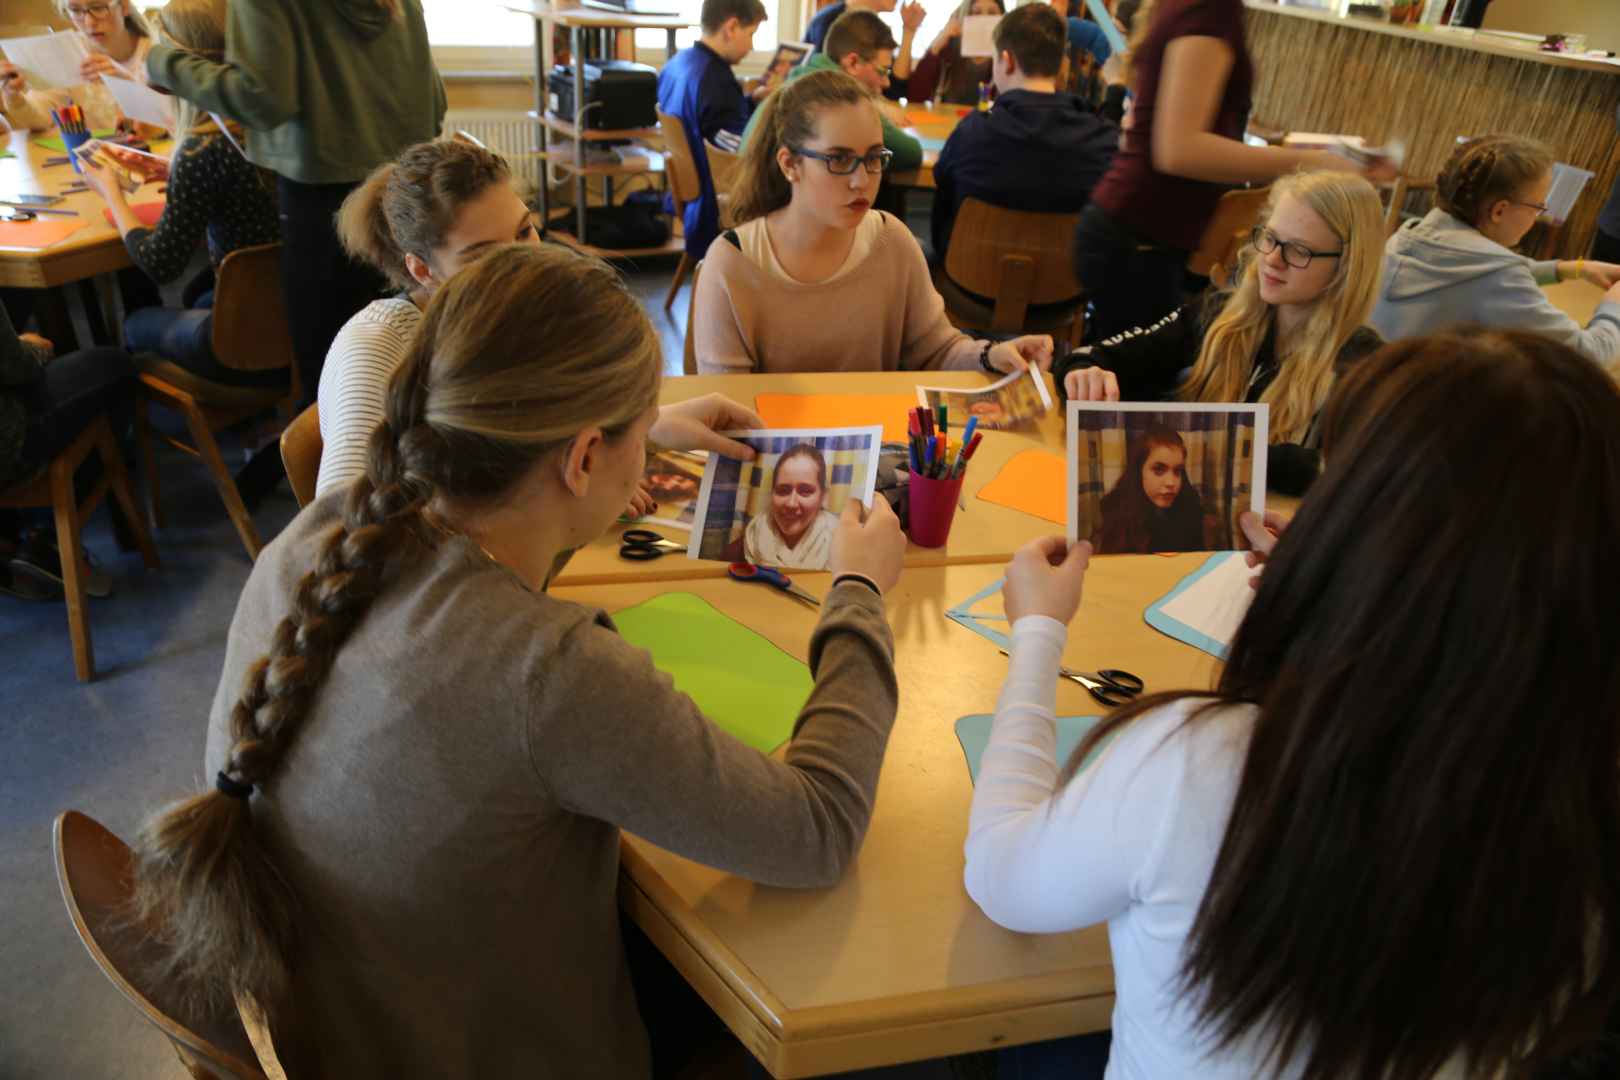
(94, 249)
(983, 532)
(930, 120)
(896, 963)
(1577, 299)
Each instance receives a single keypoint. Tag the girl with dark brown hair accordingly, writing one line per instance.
(419, 763)
(1386, 844)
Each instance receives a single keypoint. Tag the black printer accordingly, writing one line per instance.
(619, 94)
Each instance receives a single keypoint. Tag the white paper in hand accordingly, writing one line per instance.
(978, 35)
(139, 102)
(48, 62)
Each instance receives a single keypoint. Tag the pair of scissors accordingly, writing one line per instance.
(1110, 686)
(644, 545)
(742, 571)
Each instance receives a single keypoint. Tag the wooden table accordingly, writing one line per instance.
(931, 120)
(1577, 299)
(94, 249)
(896, 963)
(984, 532)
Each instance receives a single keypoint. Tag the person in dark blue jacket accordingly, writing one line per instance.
(1037, 149)
(698, 86)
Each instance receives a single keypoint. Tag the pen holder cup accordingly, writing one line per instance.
(73, 142)
(931, 509)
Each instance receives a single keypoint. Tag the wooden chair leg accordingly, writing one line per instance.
(65, 503)
(681, 270)
(118, 481)
(149, 474)
(208, 451)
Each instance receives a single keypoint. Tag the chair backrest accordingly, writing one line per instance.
(1019, 257)
(1235, 216)
(680, 165)
(723, 166)
(689, 354)
(301, 453)
(250, 314)
(96, 872)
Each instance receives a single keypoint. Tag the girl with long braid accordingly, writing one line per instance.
(421, 761)
(1457, 264)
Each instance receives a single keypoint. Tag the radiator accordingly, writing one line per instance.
(508, 132)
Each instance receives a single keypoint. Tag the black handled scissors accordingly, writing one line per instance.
(644, 545)
(1109, 686)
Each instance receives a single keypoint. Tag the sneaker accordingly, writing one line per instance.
(38, 558)
(26, 587)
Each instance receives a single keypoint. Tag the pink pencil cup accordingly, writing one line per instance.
(932, 509)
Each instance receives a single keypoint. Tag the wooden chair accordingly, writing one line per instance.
(1401, 189)
(52, 487)
(689, 354)
(301, 453)
(685, 186)
(723, 166)
(1020, 258)
(1234, 219)
(96, 872)
(249, 334)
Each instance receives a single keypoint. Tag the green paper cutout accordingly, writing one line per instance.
(740, 679)
(974, 734)
(54, 142)
(6, 154)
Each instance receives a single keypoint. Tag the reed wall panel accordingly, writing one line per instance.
(1315, 75)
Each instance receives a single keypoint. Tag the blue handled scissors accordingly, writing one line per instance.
(644, 545)
(742, 571)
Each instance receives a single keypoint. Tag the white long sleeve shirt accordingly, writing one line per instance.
(354, 385)
(1130, 841)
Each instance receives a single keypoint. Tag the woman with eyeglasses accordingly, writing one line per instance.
(814, 280)
(117, 40)
(1457, 264)
(1289, 326)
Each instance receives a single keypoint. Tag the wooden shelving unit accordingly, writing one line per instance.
(583, 23)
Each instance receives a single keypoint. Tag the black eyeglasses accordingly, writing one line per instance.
(1294, 253)
(844, 162)
(1540, 208)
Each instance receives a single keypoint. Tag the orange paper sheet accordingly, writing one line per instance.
(148, 212)
(838, 410)
(1032, 482)
(37, 234)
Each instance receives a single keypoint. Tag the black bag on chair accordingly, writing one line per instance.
(638, 222)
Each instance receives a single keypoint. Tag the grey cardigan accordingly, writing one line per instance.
(449, 813)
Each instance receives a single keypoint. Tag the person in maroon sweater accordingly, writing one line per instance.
(943, 71)
(1181, 148)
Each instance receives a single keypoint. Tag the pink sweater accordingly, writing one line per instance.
(882, 316)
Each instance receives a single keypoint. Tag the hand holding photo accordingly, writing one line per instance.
(788, 55)
(781, 509)
(673, 478)
(130, 167)
(1146, 478)
(1019, 400)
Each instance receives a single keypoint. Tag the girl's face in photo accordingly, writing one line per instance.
(1163, 473)
(1294, 222)
(837, 201)
(796, 497)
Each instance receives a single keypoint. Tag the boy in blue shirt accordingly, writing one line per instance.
(698, 86)
(1038, 148)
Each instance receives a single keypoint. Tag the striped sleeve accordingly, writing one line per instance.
(353, 389)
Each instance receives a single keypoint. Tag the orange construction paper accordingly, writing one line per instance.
(37, 234)
(148, 212)
(838, 410)
(1032, 482)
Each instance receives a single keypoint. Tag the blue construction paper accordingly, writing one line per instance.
(931, 143)
(963, 615)
(1106, 21)
(974, 734)
(1177, 629)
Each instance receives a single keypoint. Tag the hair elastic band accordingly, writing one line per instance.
(234, 788)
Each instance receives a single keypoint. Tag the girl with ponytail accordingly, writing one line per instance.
(419, 762)
(1458, 265)
(416, 220)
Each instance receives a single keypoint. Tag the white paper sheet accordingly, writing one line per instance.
(48, 62)
(978, 35)
(1568, 183)
(1215, 604)
(139, 102)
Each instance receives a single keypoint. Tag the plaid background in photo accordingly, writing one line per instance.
(1220, 460)
(741, 489)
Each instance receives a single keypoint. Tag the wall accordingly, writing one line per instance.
(1599, 20)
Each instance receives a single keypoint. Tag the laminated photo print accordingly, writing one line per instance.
(782, 508)
(130, 167)
(1017, 401)
(674, 478)
(1148, 477)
